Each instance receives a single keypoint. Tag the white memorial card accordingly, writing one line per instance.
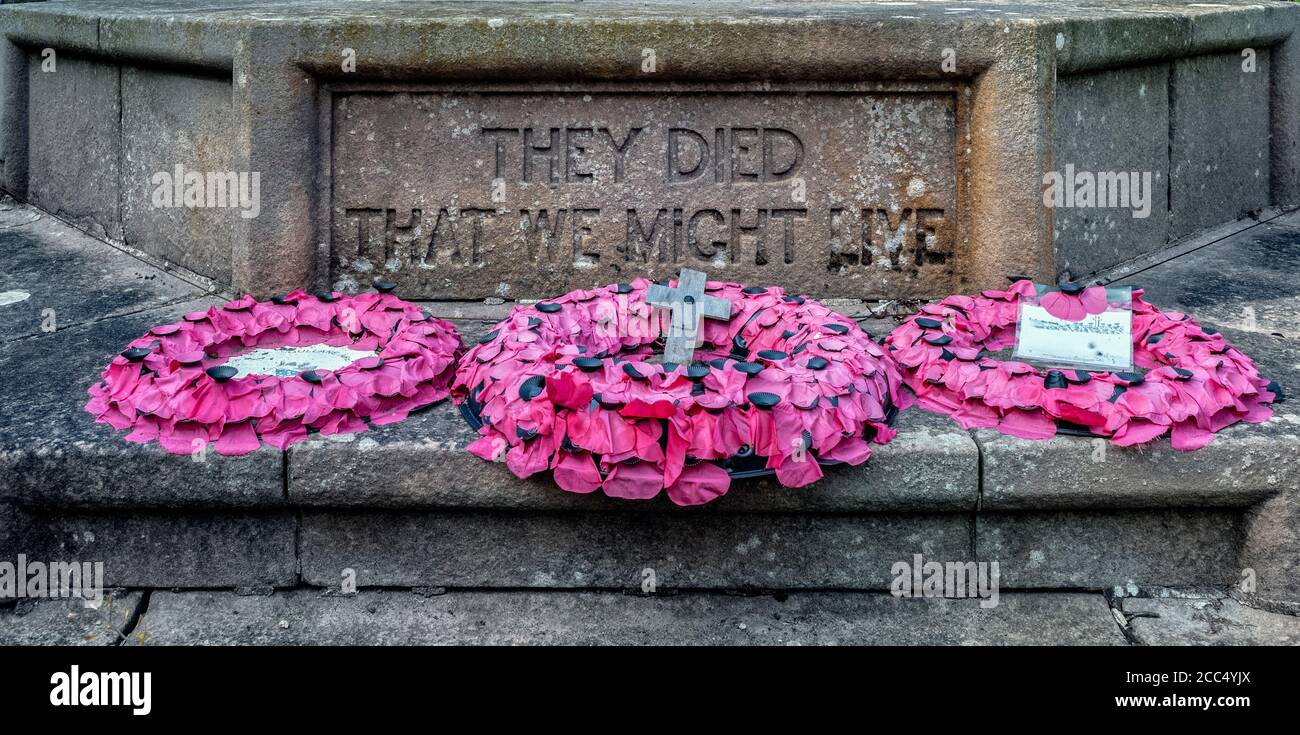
(285, 362)
(1101, 341)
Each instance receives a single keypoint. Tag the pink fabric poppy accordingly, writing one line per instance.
(577, 472)
(1074, 307)
(699, 484)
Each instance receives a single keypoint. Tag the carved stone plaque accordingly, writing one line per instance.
(472, 194)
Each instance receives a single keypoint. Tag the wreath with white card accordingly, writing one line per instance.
(1195, 383)
(251, 371)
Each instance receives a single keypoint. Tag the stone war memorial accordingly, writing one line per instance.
(810, 322)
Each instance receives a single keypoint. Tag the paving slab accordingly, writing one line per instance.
(392, 617)
(1208, 621)
(1245, 281)
(74, 141)
(69, 622)
(615, 550)
(78, 279)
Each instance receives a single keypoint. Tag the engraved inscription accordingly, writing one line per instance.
(460, 194)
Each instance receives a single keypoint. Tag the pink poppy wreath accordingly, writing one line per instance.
(1196, 383)
(568, 386)
(171, 385)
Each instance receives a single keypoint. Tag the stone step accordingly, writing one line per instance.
(573, 549)
(406, 505)
(915, 141)
(305, 617)
(55, 458)
(435, 617)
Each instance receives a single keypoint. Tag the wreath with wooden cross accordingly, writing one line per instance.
(767, 383)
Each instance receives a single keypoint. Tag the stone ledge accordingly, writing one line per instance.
(306, 617)
(1243, 466)
(422, 463)
(198, 33)
(282, 67)
(1098, 37)
(54, 456)
(1244, 284)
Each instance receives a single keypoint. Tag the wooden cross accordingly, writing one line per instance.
(689, 306)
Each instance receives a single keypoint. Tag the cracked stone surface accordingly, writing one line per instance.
(68, 622)
(1208, 621)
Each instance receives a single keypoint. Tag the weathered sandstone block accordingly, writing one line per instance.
(488, 149)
